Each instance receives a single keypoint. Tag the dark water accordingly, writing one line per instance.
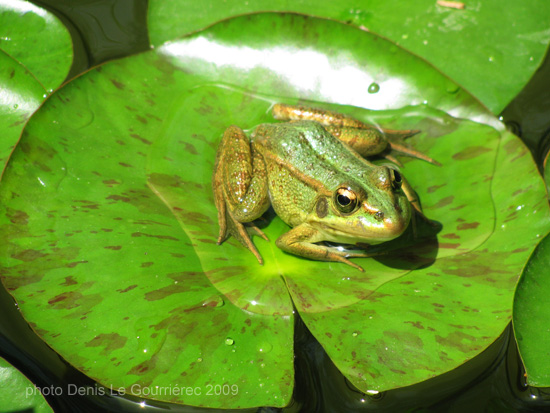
(492, 382)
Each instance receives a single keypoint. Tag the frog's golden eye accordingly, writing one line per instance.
(345, 200)
(396, 179)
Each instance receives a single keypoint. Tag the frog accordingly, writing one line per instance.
(312, 168)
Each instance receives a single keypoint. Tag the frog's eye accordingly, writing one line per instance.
(396, 179)
(345, 200)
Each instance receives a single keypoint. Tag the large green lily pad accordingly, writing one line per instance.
(491, 47)
(110, 227)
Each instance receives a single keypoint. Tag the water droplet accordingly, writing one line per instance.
(215, 301)
(265, 348)
(229, 341)
(262, 365)
(15, 106)
(199, 360)
(354, 334)
(374, 87)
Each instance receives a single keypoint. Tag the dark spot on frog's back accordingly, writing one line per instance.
(322, 207)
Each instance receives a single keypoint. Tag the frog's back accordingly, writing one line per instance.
(303, 161)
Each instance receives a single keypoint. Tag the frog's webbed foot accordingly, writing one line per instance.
(240, 188)
(230, 226)
(300, 241)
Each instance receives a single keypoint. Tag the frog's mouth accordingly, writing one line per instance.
(362, 232)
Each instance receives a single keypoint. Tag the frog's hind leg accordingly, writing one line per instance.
(240, 188)
(286, 112)
(367, 140)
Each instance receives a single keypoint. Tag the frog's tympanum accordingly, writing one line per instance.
(312, 171)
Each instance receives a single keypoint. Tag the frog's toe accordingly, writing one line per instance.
(258, 231)
(346, 261)
(412, 153)
(238, 230)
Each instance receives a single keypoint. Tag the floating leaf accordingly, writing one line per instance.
(35, 57)
(21, 96)
(107, 209)
(36, 39)
(532, 316)
(477, 46)
(17, 393)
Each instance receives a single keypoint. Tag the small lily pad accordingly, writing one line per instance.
(35, 57)
(21, 96)
(17, 393)
(36, 39)
(532, 316)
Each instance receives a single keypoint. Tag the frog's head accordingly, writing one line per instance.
(372, 211)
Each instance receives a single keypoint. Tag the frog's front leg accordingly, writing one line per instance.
(301, 239)
(365, 139)
(240, 188)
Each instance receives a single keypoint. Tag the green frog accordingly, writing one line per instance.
(312, 171)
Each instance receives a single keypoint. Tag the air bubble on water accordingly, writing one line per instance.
(216, 301)
(265, 347)
(373, 88)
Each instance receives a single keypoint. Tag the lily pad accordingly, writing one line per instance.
(17, 393)
(109, 222)
(36, 39)
(532, 316)
(35, 57)
(477, 46)
(21, 96)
